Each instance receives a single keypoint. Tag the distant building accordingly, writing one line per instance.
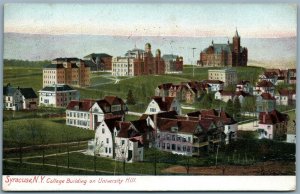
(230, 54)
(286, 97)
(173, 63)
(245, 86)
(57, 95)
(99, 62)
(264, 86)
(19, 98)
(228, 76)
(69, 71)
(215, 85)
(138, 62)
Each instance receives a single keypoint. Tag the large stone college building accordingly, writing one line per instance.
(230, 54)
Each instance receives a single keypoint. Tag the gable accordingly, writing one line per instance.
(96, 108)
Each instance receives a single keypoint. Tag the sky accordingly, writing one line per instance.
(192, 19)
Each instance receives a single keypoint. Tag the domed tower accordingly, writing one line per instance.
(148, 47)
(158, 53)
(236, 41)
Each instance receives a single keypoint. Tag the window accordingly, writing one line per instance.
(188, 149)
(184, 148)
(152, 110)
(173, 147)
(168, 137)
(107, 140)
(189, 139)
(168, 146)
(178, 148)
(163, 146)
(173, 137)
(109, 150)
(103, 130)
(123, 142)
(105, 149)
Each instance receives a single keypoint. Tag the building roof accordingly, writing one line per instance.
(242, 93)
(164, 103)
(169, 57)
(112, 100)
(8, 90)
(142, 126)
(28, 93)
(82, 105)
(226, 93)
(286, 92)
(125, 130)
(165, 86)
(67, 59)
(270, 75)
(267, 96)
(54, 66)
(264, 83)
(243, 82)
(213, 81)
(57, 87)
(273, 117)
(95, 55)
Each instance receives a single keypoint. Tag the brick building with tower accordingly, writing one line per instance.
(219, 55)
(139, 62)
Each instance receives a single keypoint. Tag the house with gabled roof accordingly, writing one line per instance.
(105, 134)
(215, 85)
(286, 97)
(29, 98)
(87, 113)
(270, 76)
(224, 95)
(272, 125)
(12, 98)
(264, 86)
(244, 85)
(224, 122)
(163, 104)
(265, 103)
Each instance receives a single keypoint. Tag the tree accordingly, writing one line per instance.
(229, 107)
(130, 98)
(207, 100)
(249, 104)
(237, 106)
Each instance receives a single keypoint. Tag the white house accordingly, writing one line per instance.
(57, 95)
(163, 104)
(105, 137)
(122, 66)
(224, 95)
(245, 86)
(264, 87)
(215, 85)
(88, 113)
(269, 76)
(19, 98)
(285, 97)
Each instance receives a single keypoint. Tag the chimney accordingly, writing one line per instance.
(264, 118)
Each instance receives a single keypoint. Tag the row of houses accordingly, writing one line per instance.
(191, 135)
(57, 95)
(277, 76)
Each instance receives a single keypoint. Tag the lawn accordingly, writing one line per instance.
(35, 131)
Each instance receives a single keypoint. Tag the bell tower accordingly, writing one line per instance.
(236, 41)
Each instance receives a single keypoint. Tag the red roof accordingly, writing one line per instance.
(243, 82)
(267, 96)
(164, 103)
(242, 93)
(113, 100)
(264, 83)
(273, 117)
(286, 92)
(82, 105)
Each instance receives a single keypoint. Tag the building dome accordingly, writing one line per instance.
(158, 52)
(147, 47)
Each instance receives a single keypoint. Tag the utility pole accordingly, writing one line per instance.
(192, 62)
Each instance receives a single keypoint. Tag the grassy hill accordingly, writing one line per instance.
(105, 84)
